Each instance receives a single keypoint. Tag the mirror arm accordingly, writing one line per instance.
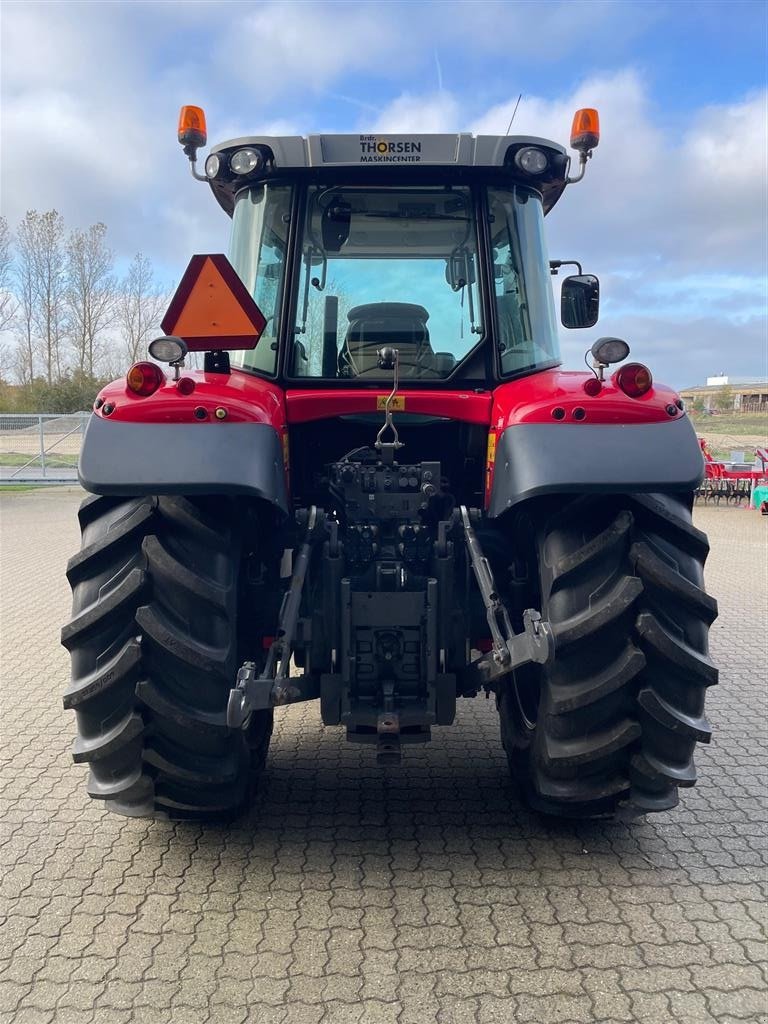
(554, 266)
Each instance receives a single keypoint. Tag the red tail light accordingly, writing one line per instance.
(634, 379)
(144, 378)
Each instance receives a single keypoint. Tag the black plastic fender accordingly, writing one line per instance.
(181, 458)
(534, 459)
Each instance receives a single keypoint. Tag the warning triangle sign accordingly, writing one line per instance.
(212, 309)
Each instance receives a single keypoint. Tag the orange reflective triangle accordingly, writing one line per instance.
(212, 308)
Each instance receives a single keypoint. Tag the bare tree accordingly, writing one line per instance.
(7, 300)
(90, 295)
(51, 274)
(42, 287)
(26, 292)
(141, 305)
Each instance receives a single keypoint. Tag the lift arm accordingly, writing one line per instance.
(510, 650)
(256, 692)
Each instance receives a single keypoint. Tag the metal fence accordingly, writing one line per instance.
(39, 447)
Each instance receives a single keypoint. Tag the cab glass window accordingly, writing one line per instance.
(257, 252)
(386, 267)
(525, 306)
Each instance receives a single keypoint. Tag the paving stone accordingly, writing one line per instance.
(352, 894)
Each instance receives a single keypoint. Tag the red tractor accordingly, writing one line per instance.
(382, 493)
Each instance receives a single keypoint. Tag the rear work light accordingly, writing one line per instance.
(144, 379)
(532, 160)
(246, 161)
(212, 165)
(634, 379)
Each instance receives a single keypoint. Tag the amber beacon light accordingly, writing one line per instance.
(192, 135)
(192, 131)
(585, 131)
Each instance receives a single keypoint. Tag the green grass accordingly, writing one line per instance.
(52, 461)
(16, 488)
(731, 423)
(721, 454)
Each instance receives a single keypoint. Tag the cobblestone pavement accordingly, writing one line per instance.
(356, 895)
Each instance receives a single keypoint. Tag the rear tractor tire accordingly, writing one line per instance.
(609, 728)
(153, 644)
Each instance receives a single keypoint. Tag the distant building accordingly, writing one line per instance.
(742, 394)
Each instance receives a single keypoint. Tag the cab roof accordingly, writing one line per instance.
(397, 154)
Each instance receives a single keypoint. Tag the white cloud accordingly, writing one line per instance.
(660, 205)
(722, 198)
(438, 112)
(44, 47)
(674, 224)
(730, 141)
(283, 47)
(544, 32)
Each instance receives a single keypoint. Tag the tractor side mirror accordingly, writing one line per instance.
(580, 301)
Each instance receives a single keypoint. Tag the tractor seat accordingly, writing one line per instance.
(401, 325)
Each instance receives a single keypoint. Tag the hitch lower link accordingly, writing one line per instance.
(256, 691)
(510, 650)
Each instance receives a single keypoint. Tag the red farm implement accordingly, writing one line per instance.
(733, 483)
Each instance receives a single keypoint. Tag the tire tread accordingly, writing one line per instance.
(148, 688)
(621, 708)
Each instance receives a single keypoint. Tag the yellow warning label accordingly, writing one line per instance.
(396, 405)
(491, 456)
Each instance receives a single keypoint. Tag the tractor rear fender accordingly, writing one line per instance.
(550, 433)
(132, 458)
(533, 459)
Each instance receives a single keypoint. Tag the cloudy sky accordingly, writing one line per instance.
(672, 215)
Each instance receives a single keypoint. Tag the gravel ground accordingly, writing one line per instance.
(357, 894)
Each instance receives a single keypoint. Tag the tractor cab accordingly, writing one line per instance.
(430, 244)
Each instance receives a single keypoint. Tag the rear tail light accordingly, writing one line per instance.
(144, 379)
(634, 379)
